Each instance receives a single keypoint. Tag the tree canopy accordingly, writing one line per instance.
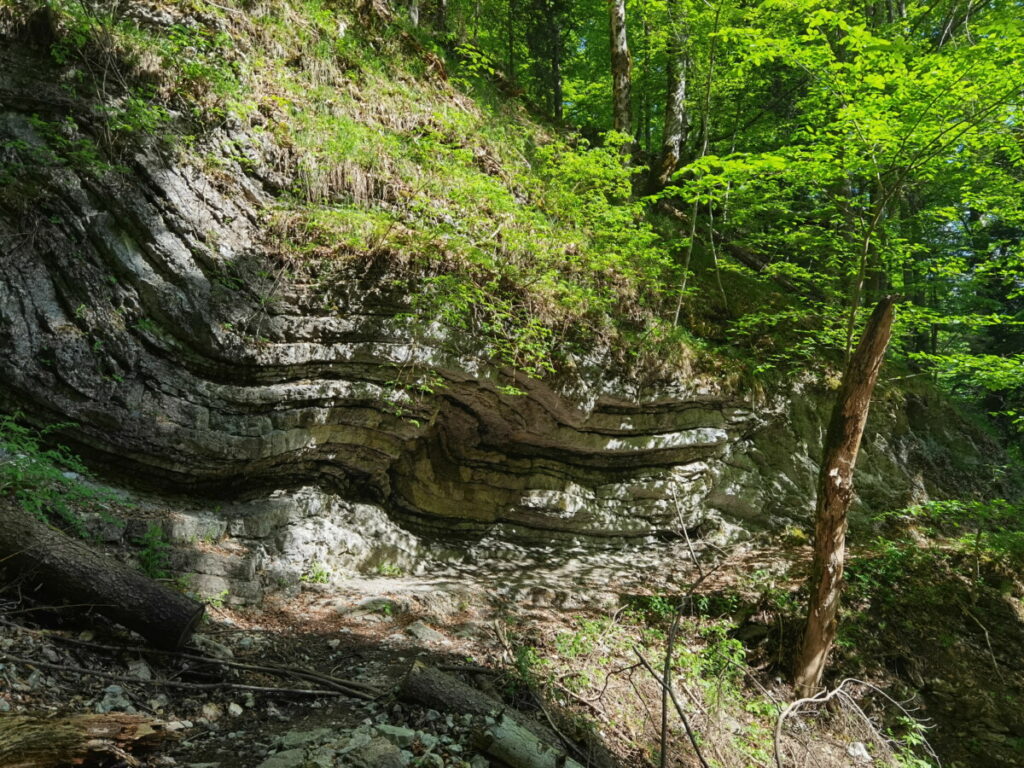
(832, 154)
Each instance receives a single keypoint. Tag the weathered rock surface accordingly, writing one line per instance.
(147, 308)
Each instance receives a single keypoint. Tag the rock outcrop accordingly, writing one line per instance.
(144, 305)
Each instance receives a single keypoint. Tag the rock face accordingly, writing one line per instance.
(145, 306)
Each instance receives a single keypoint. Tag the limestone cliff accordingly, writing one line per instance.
(145, 304)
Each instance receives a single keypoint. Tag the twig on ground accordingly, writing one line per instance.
(988, 640)
(351, 687)
(839, 692)
(576, 697)
(473, 669)
(607, 679)
(178, 683)
(818, 698)
(679, 709)
(572, 745)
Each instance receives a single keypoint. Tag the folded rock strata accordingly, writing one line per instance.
(144, 306)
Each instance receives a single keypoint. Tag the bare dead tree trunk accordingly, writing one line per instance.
(33, 742)
(69, 569)
(835, 492)
(676, 125)
(622, 119)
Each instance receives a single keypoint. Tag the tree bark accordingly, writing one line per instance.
(517, 747)
(622, 119)
(68, 569)
(676, 124)
(438, 690)
(439, 15)
(513, 738)
(33, 742)
(557, 100)
(835, 492)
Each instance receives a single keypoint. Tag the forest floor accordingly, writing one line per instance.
(569, 654)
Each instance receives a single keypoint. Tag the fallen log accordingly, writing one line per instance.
(511, 737)
(512, 744)
(35, 742)
(68, 569)
(433, 688)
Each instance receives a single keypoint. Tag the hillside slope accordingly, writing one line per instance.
(239, 268)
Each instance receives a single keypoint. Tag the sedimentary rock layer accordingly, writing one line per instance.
(144, 305)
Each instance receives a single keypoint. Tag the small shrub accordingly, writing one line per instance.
(653, 609)
(216, 601)
(154, 556)
(530, 667)
(389, 569)
(582, 642)
(316, 574)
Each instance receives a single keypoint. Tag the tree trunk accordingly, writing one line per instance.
(835, 491)
(513, 738)
(517, 747)
(68, 569)
(621, 64)
(438, 690)
(676, 125)
(32, 742)
(436, 14)
(557, 107)
(510, 41)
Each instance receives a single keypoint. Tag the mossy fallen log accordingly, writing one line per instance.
(514, 745)
(36, 742)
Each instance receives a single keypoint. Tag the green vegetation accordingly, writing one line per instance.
(317, 573)
(832, 156)
(940, 589)
(390, 569)
(979, 545)
(592, 671)
(50, 483)
(597, 662)
(154, 552)
(217, 600)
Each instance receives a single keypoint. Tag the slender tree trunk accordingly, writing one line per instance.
(645, 89)
(835, 492)
(440, 16)
(510, 31)
(705, 137)
(857, 290)
(556, 79)
(622, 120)
(676, 125)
